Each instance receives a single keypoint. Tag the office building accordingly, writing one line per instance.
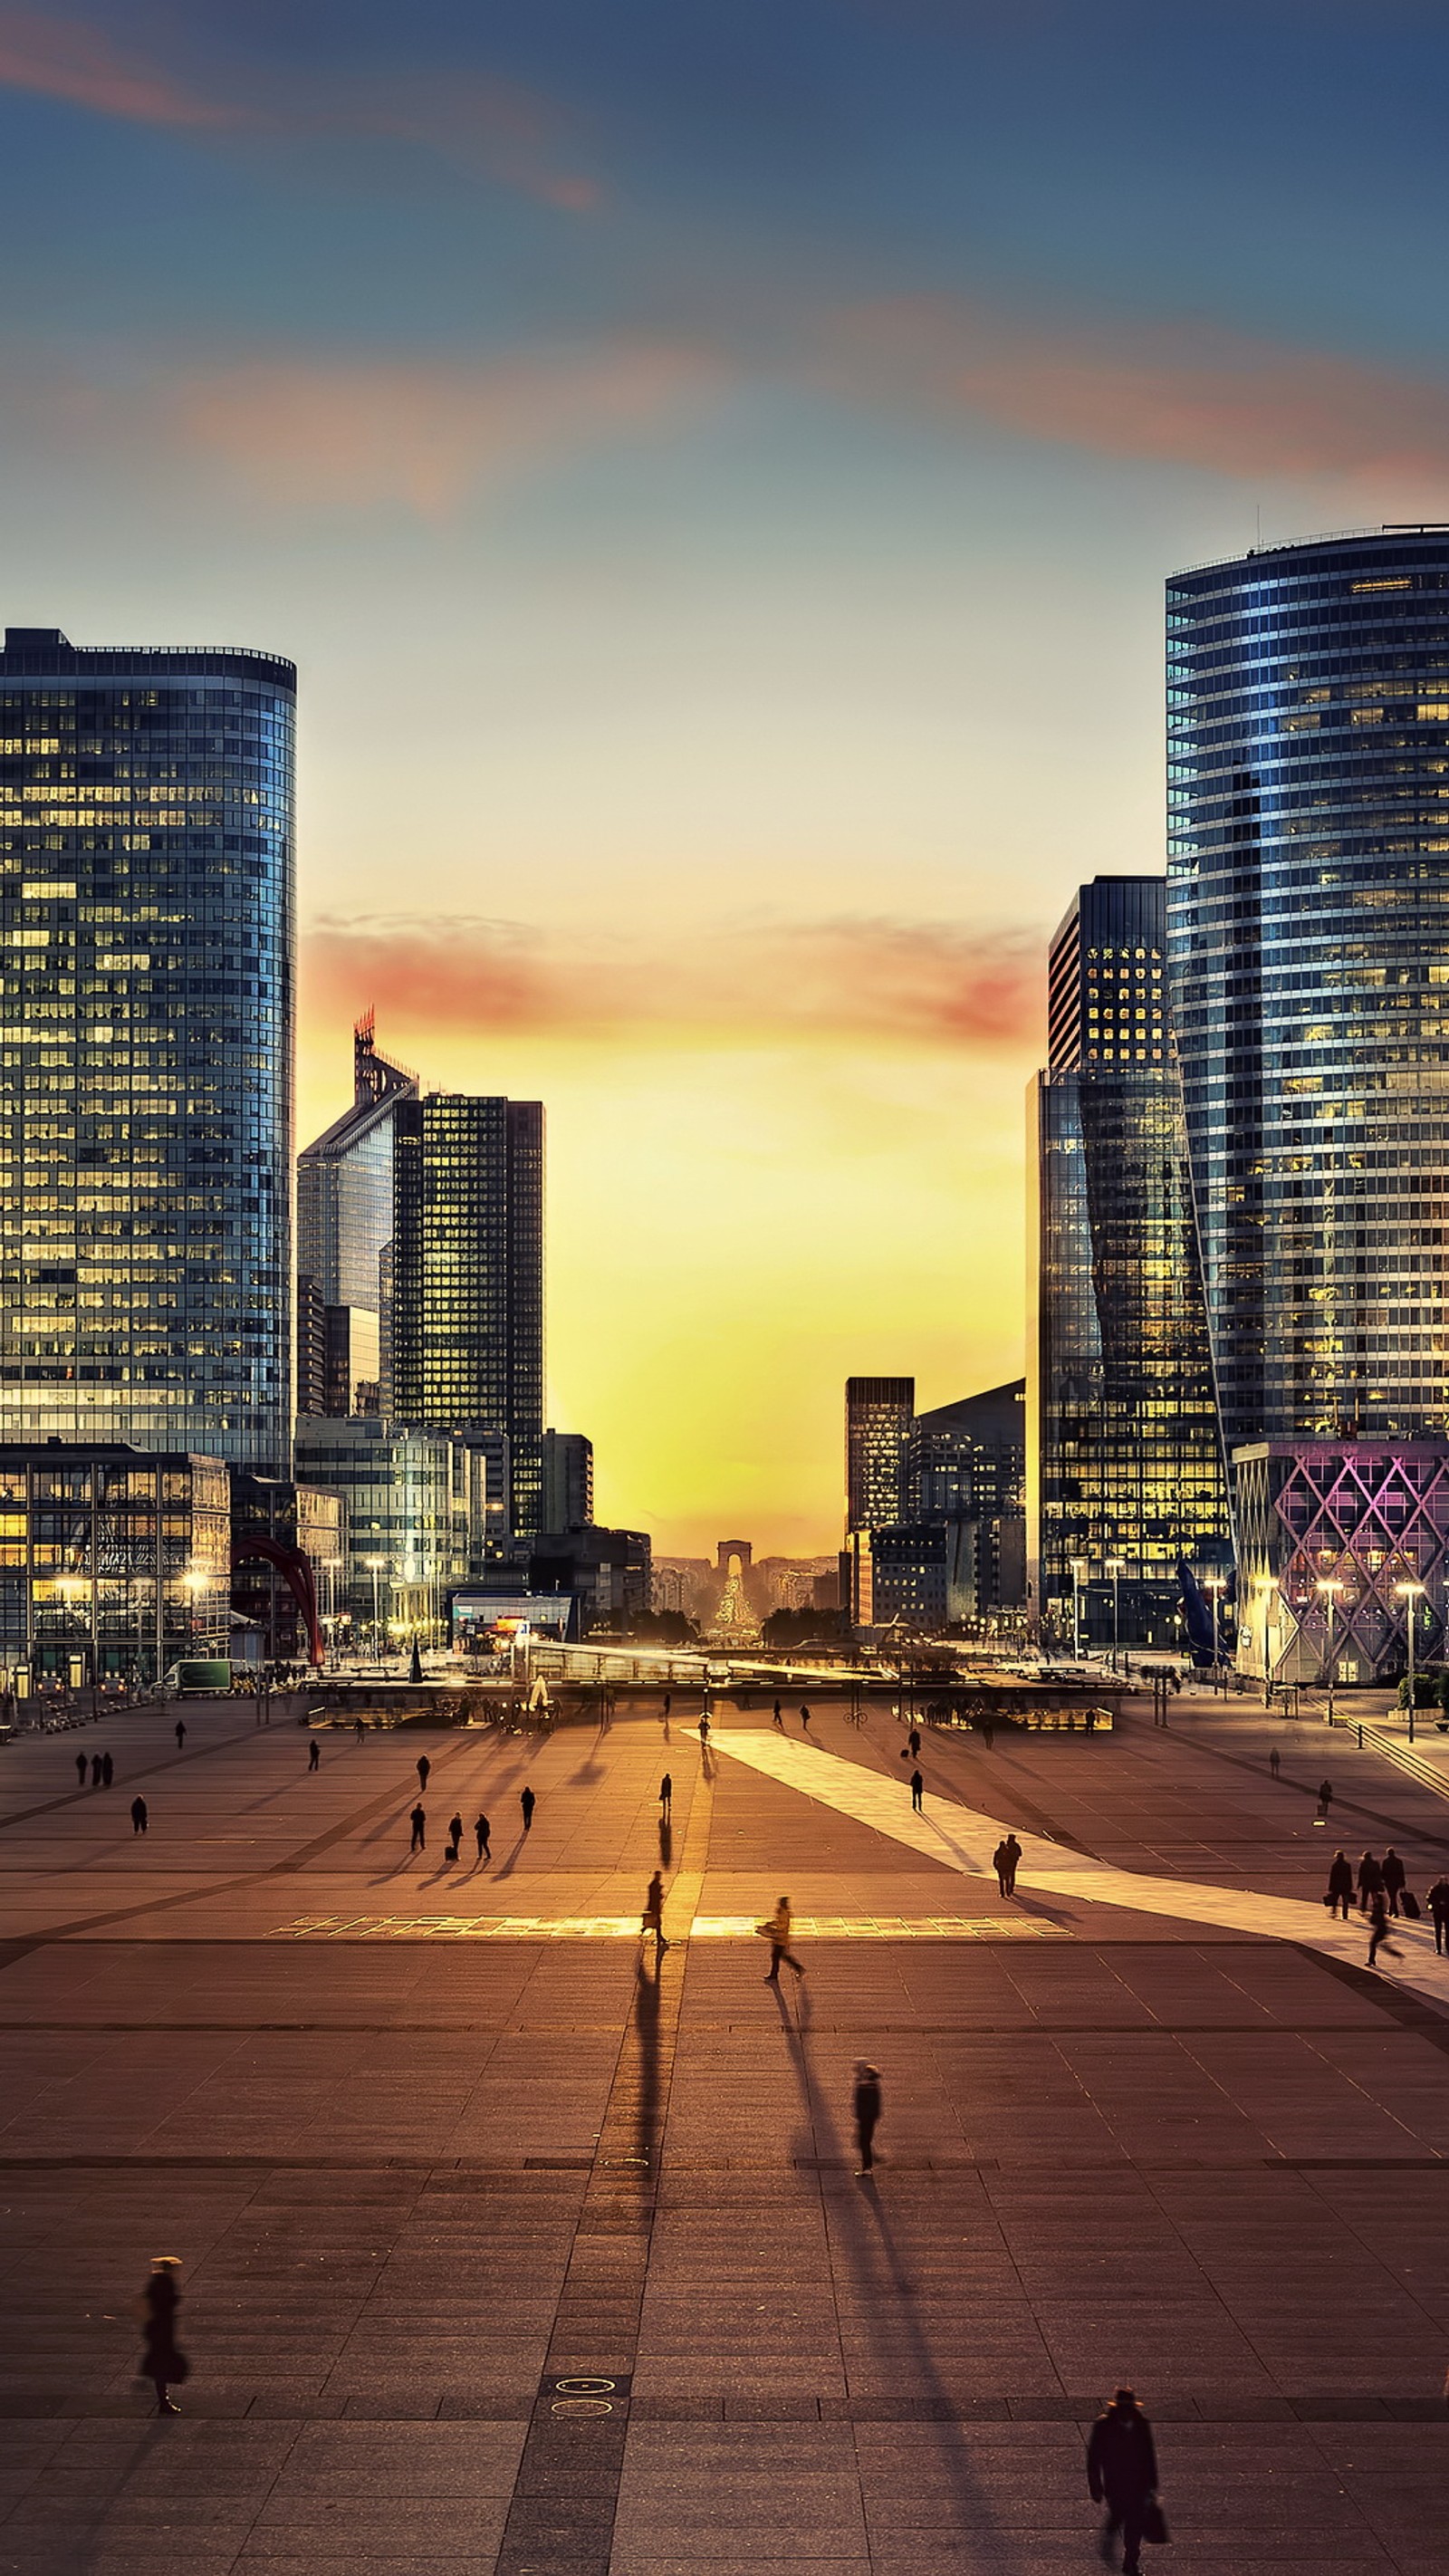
(114, 1563)
(409, 1541)
(464, 1311)
(1124, 1464)
(605, 1572)
(567, 1481)
(1340, 1545)
(345, 1223)
(289, 1563)
(878, 1416)
(966, 1465)
(146, 904)
(1308, 871)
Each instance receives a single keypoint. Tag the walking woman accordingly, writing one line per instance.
(163, 2363)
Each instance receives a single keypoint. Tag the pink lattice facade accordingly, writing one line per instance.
(1340, 1542)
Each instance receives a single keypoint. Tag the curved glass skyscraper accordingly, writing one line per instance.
(1308, 962)
(146, 951)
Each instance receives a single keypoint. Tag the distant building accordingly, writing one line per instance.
(409, 1496)
(115, 1562)
(923, 1575)
(607, 1572)
(298, 1520)
(967, 1466)
(878, 1416)
(345, 1224)
(567, 1484)
(688, 1584)
(147, 912)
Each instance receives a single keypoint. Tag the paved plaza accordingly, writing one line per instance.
(508, 2247)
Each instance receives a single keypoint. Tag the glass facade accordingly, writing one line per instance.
(1340, 1544)
(407, 1529)
(345, 1185)
(1106, 988)
(1308, 948)
(878, 1416)
(146, 922)
(112, 1560)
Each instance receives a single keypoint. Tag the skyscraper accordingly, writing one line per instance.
(464, 1310)
(1124, 1470)
(878, 1416)
(1308, 746)
(567, 1492)
(146, 901)
(345, 1222)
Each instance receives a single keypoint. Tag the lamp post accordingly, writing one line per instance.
(1409, 1594)
(1080, 1571)
(1330, 1587)
(1115, 1567)
(376, 1563)
(1214, 1584)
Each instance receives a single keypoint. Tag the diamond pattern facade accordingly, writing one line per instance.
(1331, 1534)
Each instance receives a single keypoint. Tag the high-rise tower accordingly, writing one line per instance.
(1308, 950)
(146, 902)
(344, 1226)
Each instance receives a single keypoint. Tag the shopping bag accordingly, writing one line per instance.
(1154, 2523)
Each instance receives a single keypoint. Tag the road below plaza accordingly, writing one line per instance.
(506, 2250)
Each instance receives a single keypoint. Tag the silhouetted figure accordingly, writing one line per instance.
(455, 1836)
(1122, 2474)
(162, 2361)
(867, 2110)
(1325, 1797)
(419, 1823)
(481, 1832)
(108, 1770)
(653, 1918)
(914, 1741)
(180, 1733)
(668, 1705)
(80, 1769)
(779, 1717)
(778, 1933)
(805, 1717)
(139, 1816)
(358, 1731)
(314, 1755)
(1395, 1875)
(1378, 1916)
(1011, 1850)
(666, 1795)
(527, 1802)
(95, 1770)
(1437, 1901)
(917, 1787)
(1340, 1884)
(1370, 1881)
(1000, 1863)
(704, 1728)
(424, 1767)
(989, 1733)
(1274, 1763)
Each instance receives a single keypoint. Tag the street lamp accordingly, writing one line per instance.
(1115, 1567)
(1080, 1571)
(377, 1563)
(1411, 1594)
(1330, 1587)
(1216, 1585)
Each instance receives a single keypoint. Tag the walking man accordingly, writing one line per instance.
(1395, 1875)
(1370, 1881)
(805, 1717)
(139, 1816)
(424, 1767)
(777, 1932)
(1274, 1760)
(779, 1720)
(527, 1802)
(867, 2111)
(481, 1832)
(917, 1785)
(180, 1734)
(704, 1728)
(1340, 1885)
(914, 1740)
(163, 2362)
(999, 1864)
(314, 1754)
(95, 1770)
(1012, 1850)
(455, 1836)
(653, 1920)
(1378, 1915)
(1122, 2474)
(419, 1823)
(80, 1769)
(108, 1770)
(666, 1796)
(1325, 1799)
(1437, 1901)
(357, 1732)
(668, 1705)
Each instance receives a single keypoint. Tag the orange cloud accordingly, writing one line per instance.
(511, 134)
(1178, 394)
(912, 984)
(352, 435)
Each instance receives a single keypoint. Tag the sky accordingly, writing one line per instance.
(715, 468)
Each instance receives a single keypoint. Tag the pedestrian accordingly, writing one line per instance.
(357, 1731)
(455, 1836)
(180, 1734)
(162, 2362)
(917, 1786)
(653, 1920)
(481, 1832)
(1122, 2474)
(1437, 1901)
(1274, 1761)
(989, 1734)
(527, 1802)
(777, 1933)
(108, 1770)
(704, 1728)
(1378, 1915)
(1395, 1875)
(139, 1816)
(914, 1741)
(1340, 1884)
(666, 1795)
(1325, 1798)
(419, 1823)
(1011, 1849)
(314, 1755)
(779, 1719)
(999, 1864)
(867, 2111)
(80, 1769)
(424, 1767)
(1370, 1881)
(805, 1717)
(668, 1705)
